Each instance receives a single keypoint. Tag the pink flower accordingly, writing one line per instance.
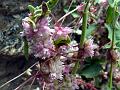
(89, 48)
(42, 22)
(41, 44)
(66, 69)
(28, 30)
(93, 9)
(75, 84)
(56, 69)
(25, 24)
(115, 55)
(103, 1)
(61, 32)
(81, 7)
(42, 49)
(89, 86)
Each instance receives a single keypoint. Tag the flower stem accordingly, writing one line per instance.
(67, 11)
(75, 68)
(112, 47)
(82, 39)
(84, 27)
(67, 14)
(110, 81)
(111, 64)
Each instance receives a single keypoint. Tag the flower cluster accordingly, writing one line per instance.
(41, 40)
(61, 32)
(89, 48)
(41, 43)
(56, 69)
(53, 46)
(60, 56)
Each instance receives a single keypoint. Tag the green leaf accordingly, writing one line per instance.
(109, 31)
(105, 87)
(38, 11)
(118, 43)
(37, 15)
(44, 7)
(31, 8)
(62, 41)
(109, 17)
(32, 22)
(51, 3)
(26, 48)
(45, 10)
(97, 82)
(90, 29)
(110, 12)
(118, 63)
(77, 31)
(117, 25)
(75, 15)
(92, 67)
(97, 1)
(111, 2)
(91, 71)
(117, 33)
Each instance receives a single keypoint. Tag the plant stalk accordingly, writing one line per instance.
(84, 27)
(82, 39)
(110, 81)
(111, 64)
(112, 47)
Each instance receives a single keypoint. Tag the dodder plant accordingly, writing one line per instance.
(66, 63)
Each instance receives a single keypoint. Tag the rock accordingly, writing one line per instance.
(12, 66)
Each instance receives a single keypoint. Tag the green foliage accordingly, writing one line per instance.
(117, 34)
(45, 9)
(109, 31)
(118, 45)
(112, 15)
(112, 22)
(37, 12)
(31, 8)
(62, 41)
(51, 3)
(32, 22)
(112, 3)
(90, 29)
(26, 48)
(92, 68)
(105, 87)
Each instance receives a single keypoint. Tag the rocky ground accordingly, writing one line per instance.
(12, 66)
(12, 62)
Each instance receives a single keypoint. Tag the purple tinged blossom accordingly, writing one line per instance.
(28, 30)
(115, 55)
(61, 32)
(89, 48)
(56, 69)
(39, 38)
